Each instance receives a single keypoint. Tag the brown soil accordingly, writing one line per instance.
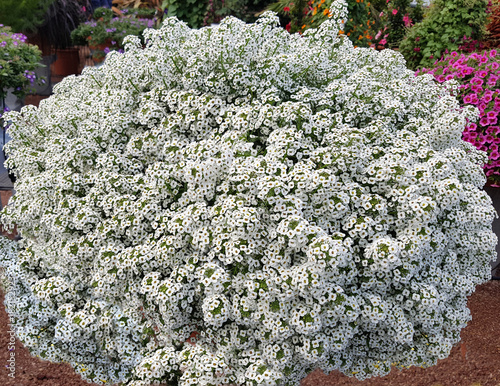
(476, 362)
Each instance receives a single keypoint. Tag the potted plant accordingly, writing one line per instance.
(18, 60)
(61, 18)
(105, 32)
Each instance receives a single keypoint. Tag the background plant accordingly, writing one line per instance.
(18, 61)
(446, 25)
(106, 33)
(478, 74)
(239, 205)
(394, 18)
(245, 10)
(23, 16)
(191, 11)
(60, 19)
(310, 14)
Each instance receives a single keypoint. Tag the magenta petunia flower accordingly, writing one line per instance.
(476, 88)
(492, 80)
(484, 121)
(468, 98)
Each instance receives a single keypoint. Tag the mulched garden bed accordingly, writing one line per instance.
(475, 362)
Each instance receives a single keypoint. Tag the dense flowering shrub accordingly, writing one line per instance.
(478, 74)
(238, 205)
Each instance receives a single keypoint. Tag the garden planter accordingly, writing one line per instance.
(67, 62)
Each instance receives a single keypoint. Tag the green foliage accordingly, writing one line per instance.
(17, 62)
(445, 27)
(190, 11)
(23, 16)
(245, 10)
(103, 13)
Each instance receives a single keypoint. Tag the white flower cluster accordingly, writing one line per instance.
(237, 205)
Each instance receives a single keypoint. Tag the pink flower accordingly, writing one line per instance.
(482, 73)
(416, 49)
(407, 20)
(492, 114)
(493, 53)
(477, 81)
(394, 11)
(379, 33)
(492, 80)
(468, 98)
(487, 96)
(383, 42)
(484, 121)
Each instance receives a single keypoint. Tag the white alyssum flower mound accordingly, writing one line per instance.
(237, 205)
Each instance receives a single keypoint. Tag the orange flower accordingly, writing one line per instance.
(315, 11)
(341, 32)
(325, 12)
(348, 34)
(304, 26)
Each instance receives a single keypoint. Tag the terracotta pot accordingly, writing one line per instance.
(67, 62)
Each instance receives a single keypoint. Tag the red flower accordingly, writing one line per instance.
(286, 9)
(288, 27)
